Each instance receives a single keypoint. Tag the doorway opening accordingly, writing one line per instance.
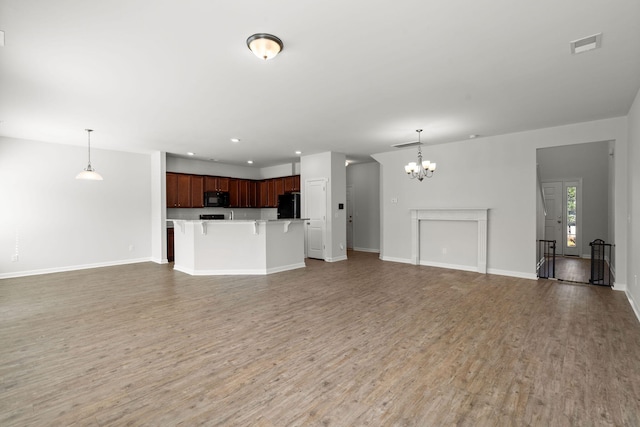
(574, 208)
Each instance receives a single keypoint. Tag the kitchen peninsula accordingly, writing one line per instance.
(226, 247)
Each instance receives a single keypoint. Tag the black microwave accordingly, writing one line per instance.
(216, 199)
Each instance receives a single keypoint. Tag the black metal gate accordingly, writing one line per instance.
(600, 259)
(546, 265)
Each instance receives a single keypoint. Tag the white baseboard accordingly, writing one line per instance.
(372, 250)
(619, 286)
(634, 306)
(473, 268)
(518, 274)
(392, 259)
(72, 268)
(338, 258)
(160, 260)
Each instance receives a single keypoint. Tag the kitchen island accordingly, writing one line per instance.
(225, 247)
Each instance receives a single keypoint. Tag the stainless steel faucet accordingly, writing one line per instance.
(231, 215)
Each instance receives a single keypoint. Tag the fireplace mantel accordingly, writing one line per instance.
(458, 214)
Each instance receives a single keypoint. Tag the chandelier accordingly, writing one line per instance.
(422, 168)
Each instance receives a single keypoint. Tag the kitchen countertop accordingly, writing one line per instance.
(241, 220)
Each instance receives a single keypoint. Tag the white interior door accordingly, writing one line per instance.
(553, 219)
(315, 197)
(349, 217)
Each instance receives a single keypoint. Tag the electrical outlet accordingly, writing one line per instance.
(15, 258)
(394, 200)
(131, 248)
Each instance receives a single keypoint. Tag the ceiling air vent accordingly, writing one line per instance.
(586, 44)
(407, 144)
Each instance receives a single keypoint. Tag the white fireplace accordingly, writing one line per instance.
(479, 216)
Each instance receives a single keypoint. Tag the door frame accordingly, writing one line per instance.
(350, 214)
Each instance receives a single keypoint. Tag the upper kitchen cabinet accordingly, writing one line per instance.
(292, 184)
(242, 193)
(216, 183)
(178, 190)
(197, 191)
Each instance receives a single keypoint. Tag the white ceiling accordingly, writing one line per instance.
(354, 76)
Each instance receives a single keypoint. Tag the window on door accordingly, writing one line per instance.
(571, 210)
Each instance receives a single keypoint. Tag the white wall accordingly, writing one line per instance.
(633, 194)
(498, 173)
(54, 222)
(590, 162)
(202, 167)
(286, 169)
(364, 178)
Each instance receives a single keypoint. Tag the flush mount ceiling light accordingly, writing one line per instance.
(89, 172)
(264, 46)
(420, 169)
(586, 44)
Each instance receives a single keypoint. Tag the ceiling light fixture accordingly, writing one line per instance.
(298, 152)
(190, 153)
(235, 139)
(250, 162)
(420, 169)
(264, 46)
(89, 172)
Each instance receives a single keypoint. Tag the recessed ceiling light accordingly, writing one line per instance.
(586, 44)
(190, 153)
(235, 139)
(250, 162)
(473, 136)
(298, 152)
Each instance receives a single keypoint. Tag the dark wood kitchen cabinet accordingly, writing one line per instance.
(172, 190)
(234, 193)
(170, 250)
(263, 194)
(216, 183)
(292, 184)
(242, 193)
(197, 191)
(178, 190)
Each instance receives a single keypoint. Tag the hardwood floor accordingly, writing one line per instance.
(353, 343)
(573, 269)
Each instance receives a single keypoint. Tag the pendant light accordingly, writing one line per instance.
(264, 46)
(89, 172)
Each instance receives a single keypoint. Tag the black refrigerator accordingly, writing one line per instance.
(289, 205)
